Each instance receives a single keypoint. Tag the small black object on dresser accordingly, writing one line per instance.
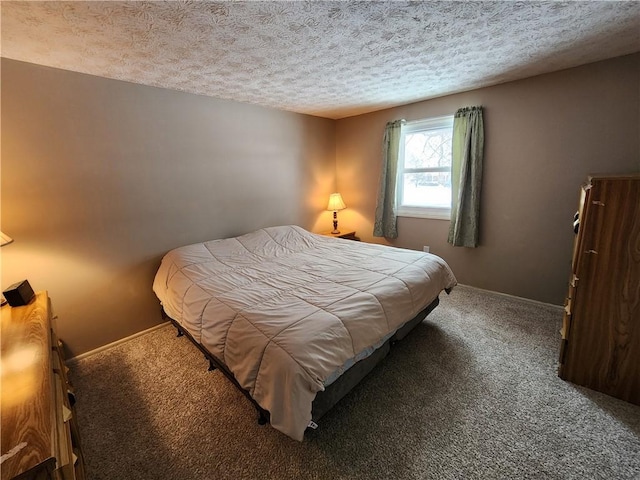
(19, 294)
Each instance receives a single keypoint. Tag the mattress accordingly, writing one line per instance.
(288, 311)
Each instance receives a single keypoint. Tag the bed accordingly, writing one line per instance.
(296, 319)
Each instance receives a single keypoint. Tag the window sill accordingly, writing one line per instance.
(430, 213)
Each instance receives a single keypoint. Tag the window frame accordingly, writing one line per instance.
(437, 213)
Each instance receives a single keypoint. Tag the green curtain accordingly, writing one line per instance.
(466, 176)
(385, 222)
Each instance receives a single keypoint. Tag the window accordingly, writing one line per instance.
(424, 169)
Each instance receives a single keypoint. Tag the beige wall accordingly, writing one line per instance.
(101, 177)
(544, 135)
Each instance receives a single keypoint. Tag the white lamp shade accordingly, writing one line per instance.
(335, 202)
(4, 239)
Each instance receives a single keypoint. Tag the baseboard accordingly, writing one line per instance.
(164, 324)
(515, 297)
(116, 343)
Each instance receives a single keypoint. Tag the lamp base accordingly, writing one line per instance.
(335, 232)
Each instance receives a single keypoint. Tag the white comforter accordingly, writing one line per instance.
(285, 309)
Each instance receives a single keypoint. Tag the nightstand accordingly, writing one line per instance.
(346, 234)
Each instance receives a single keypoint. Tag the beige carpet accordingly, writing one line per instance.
(471, 393)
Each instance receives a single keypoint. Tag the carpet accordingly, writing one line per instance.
(471, 393)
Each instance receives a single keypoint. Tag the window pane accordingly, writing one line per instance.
(429, 148)
(431, 189)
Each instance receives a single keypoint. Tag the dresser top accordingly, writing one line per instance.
(25, 346)
(614, 176)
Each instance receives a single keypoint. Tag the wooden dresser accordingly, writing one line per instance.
(600, 346)
(39, 433)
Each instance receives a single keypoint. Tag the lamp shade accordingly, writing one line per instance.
(335, 202)
(5, 239)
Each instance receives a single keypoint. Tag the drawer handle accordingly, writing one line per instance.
(66, 414)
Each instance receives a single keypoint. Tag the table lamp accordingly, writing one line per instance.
(4, 240)
(335, 204)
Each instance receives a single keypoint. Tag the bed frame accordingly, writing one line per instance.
(332, 394)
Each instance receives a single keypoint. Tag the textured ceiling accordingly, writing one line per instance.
(331, 59)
